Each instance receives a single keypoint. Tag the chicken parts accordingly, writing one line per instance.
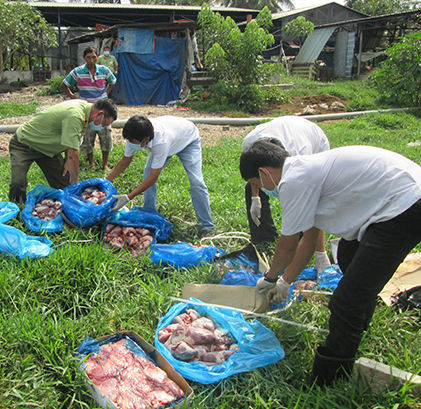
(93, 194)
(191, 337)
(131, 381)
(47, 209)
(135, 240)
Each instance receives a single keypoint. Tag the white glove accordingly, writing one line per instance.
(281, 291)
(255, 210)
(322, 262)
(263, 285)
(121, 201)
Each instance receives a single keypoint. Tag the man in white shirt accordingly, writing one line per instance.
(371, 198)
(298, 136)
(164, 137)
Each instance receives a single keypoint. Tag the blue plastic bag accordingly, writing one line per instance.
(239, 260)
(8, 211)
(241, 276)
(84, 213)
(16, 243)
(330, 277)
(36, 224)
(307, 274)
(259, 345)
(92, 346)
(141, 217)
(182, 254)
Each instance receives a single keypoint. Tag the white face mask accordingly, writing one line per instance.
(134, 146)
(271, 193)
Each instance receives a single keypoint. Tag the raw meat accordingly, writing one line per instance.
(304, 285)
(47, 209)
(93, 194)
(135, 240)
(129, 380)
(191, 337)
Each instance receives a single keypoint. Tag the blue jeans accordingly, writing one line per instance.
(191, 158)
(367, 266)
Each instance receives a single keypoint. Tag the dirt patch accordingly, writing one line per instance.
(323, 104)
(209, 133)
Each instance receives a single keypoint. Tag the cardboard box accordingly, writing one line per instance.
(106, 403)
(237, 296)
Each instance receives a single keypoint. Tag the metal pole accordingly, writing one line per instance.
(359, 54)
(59, 44)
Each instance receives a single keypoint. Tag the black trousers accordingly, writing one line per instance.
(367, 266)
(267, 230)
(21, 158)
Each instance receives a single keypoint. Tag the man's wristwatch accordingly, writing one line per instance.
(270, 280)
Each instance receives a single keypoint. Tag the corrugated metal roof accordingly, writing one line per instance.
(135, 6)
(287, 13)
(283, 14)
(313, 45)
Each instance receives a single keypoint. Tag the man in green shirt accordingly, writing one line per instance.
(108, 60)
(49, 133)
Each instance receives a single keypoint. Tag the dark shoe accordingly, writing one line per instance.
(326, 368)
(207, 233)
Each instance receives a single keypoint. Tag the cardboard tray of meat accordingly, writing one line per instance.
(207, 344)
(135, 240)
(125, 372)
(89, 202)
(42, 211)
(135, 230)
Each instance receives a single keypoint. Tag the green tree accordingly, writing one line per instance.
(235, 57)
(23, 29)
(380, 7)
(299, 27)
(399, 77)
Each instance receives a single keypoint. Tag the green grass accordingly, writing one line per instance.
(9, 109)
(360, 95)
(49, 305)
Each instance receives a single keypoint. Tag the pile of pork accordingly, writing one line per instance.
(134, 239)
(191, 337)
(129, 380)
(93, 194)
(47, 209)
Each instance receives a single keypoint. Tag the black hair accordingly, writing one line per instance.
(261, 154)
(108, 106)
(275, 141)
(138, 127)
(89, 50)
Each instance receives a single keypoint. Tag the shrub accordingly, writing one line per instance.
(234, 57)
(52, 88)
(273, 95)
(399, 77)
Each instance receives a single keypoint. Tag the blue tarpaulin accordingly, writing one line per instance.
(150, 78)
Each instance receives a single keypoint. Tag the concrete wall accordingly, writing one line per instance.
(22, 76)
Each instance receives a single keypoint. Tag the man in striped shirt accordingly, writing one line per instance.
(94, 82)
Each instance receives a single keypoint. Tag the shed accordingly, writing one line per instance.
(319, 15)
(152, 60)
